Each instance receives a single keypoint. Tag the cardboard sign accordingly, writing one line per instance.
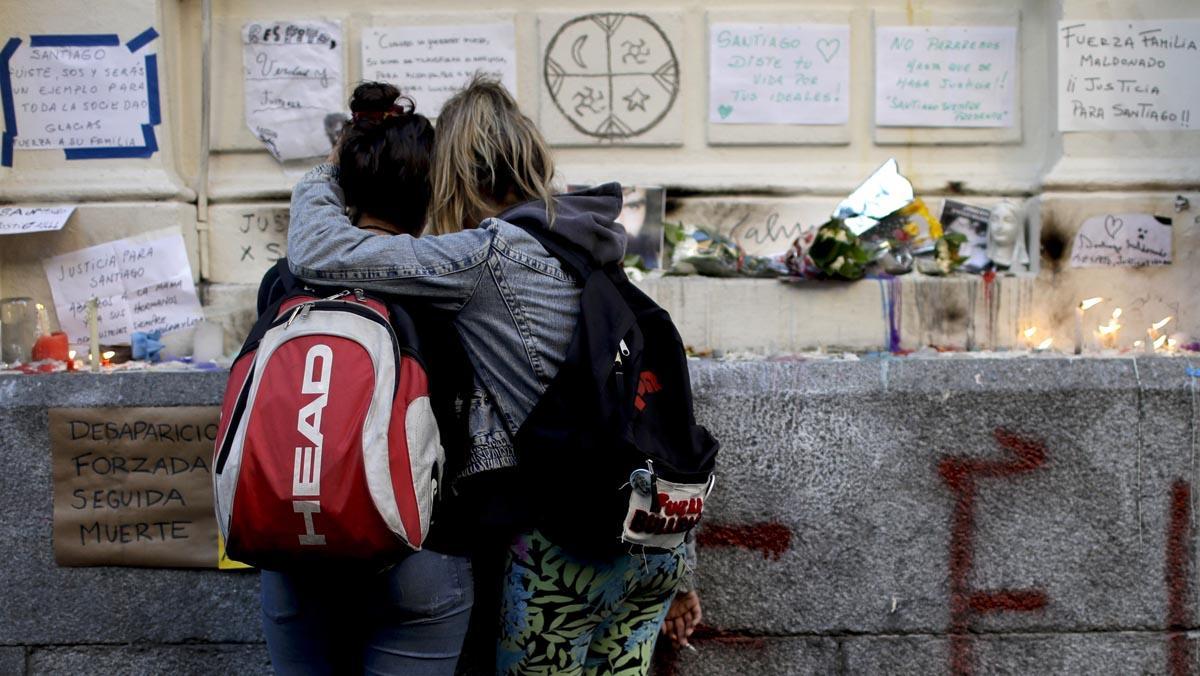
(142, 284)
(431, 63)
(133, 486)
(1128, 75)
(945, 76)
(19, 220)
(293, 82)
(1122, 240)
(778, 73)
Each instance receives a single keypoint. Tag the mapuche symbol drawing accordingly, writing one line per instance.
(613, 75)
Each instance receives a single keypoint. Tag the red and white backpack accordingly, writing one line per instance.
(328, 450)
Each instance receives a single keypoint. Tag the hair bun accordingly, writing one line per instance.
(379, 97)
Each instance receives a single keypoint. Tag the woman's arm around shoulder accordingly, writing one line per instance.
(324, 246)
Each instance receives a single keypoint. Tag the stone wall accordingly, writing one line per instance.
(903, 516)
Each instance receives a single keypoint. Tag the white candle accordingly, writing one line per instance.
(93, 320)
(1080, 309)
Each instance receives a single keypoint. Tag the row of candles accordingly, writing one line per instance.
(1106, 334)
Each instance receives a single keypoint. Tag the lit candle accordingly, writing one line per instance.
(1079, 310)
(106, 358)
(71, 360)
(1155, 343)
(93, 320)
(1108, 332)
(1044, 345)
(1029, 333)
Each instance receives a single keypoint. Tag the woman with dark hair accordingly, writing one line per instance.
(412, 617)
(515, 308)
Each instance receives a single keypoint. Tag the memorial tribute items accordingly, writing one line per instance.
(432, 62)
(132, 486)
(945, 76)
(1007, 247)
(1128, 75)
(94, 95)
(18, 329)
(20, 220)
(972, 223)
(140, 284)
(293, 84)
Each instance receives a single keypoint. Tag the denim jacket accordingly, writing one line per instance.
(515, 308)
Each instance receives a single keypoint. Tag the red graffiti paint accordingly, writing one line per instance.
(771, 539)
(960, 475)
(1178, 558)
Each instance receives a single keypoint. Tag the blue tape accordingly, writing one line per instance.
(151, 140)
(152, 88)
(10, 112)
(142, 39)
(138, 152)
(94, 40)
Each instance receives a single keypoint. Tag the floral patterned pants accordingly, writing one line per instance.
(560, 615)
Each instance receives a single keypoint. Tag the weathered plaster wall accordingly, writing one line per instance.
(235, 218)
(904, 516)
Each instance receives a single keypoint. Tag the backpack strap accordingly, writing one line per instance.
(577, 262)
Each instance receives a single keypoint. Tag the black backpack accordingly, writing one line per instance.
(611, 457)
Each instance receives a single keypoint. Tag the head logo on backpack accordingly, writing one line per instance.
(611, 456)
(328, 449)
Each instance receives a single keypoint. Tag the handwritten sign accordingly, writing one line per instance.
(142, 285)
(431, 63)
(945, 76)
(1119, 240)
(133, 486)
(779, 73)
(18, 220)
(1128, 75)
(89, 94)
(293, 82)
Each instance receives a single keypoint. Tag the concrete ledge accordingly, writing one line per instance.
(181, 660)
(865, 512)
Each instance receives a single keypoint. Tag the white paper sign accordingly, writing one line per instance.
(778, 73)
(1128, 75)
(1122, 240)
(17, 220)
(293, 78)
(142, 284)
(431, 63)
(79, 97)
(945, 76)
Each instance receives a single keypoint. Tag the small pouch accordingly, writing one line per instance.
(661, 512)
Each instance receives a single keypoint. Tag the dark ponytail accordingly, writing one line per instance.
(385, 157)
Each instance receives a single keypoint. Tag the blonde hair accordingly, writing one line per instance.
(486, 155)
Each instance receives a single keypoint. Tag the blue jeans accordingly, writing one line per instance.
(408, 619)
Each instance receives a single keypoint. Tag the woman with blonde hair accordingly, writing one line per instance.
(515, 309)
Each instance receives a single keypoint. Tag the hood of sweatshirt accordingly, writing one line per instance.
(587, 218)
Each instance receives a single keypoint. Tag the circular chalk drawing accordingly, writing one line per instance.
(612, 75)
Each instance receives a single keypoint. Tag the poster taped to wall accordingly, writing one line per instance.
(20, 220)
(1122, 240)
(431, 63)
(1128, 75)
(91, 95)
(945, 76)
(142, 284)
(293, 84)
(778, 73)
